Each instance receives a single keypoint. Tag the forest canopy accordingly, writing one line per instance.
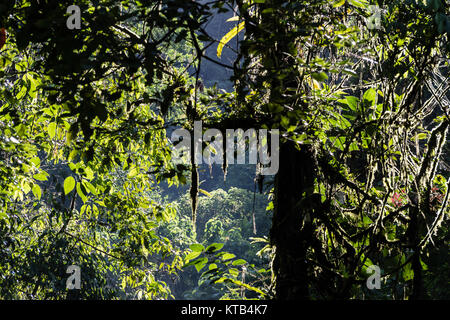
(351, 98)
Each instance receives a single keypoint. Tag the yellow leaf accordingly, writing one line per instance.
(338, 3)
(230, 35)
(316, 84)
(206, 193)
(133, 173)
(235, 18)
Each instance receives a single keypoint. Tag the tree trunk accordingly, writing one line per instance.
(291, 228)
(416, 266)
(418, 292)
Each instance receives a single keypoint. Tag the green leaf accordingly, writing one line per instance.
(319, 76)
(214, 247)
(81, 193)
(370, 96)
(37, 191)
(239, 262)
(212, 266)
(3, 215)
(88, 173)
(200, 264)
(69, 185)
(234, 272)
(351, 101)
(72, 155)
(359, 4)
(197, 247)
(26, 188)
(52, 130)
(338, 3)
(89, 187)
(41, 176)
(353, 147)
(424, 265)
(192, 255)
(36, 161)
(133, 173)
(228, 256)
(408, 273)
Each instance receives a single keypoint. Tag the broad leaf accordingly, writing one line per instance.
(69, 185)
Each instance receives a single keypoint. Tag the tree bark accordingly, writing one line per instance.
(416, 266)
(291, 228)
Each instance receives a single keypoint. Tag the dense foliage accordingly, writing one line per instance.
(87, 176)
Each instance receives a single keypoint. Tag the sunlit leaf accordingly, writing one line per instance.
(69, 184)
(197, 247)
(37, 191)
(230, 35)
(52, 130)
